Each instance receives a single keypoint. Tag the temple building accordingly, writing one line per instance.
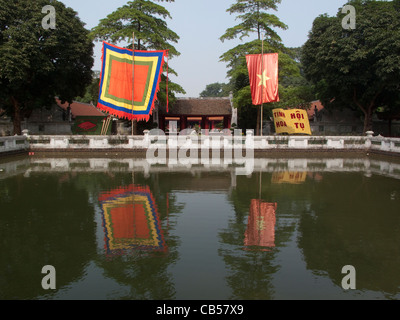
(201, 113)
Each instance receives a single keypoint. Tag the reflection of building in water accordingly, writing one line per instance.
(131, 220)
(261, 224)
(289, 177)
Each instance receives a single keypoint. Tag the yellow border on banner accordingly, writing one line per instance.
(143, 107)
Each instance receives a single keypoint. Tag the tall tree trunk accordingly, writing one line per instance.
(368, 119)
(367, 110)
(16, 116)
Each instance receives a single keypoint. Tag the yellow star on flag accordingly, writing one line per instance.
(263, 79)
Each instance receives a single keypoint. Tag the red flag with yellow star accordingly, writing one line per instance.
(263, 74)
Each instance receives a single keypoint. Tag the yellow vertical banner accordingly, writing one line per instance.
(292, 121)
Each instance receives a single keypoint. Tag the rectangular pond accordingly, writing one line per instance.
(120, 228)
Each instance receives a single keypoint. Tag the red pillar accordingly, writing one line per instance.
(183, 122)
(204, 123)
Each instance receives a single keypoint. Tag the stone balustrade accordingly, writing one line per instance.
(13, 144)
(156, 139)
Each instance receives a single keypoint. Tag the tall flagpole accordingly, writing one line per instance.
(262, 79)
(133, 76)
(133, 104)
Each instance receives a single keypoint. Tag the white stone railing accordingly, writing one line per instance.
(391, 145)
(222, 140)
(13, 144)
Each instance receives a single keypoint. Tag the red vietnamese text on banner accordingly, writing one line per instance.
(263, 83)
(116, 85)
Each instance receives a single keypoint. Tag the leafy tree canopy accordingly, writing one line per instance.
(255, 19)
(36, 64)
(147, 21)
(215, 90)
(356, 68)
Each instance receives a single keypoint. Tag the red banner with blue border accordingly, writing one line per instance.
(119, 81)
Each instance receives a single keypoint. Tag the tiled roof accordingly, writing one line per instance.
(199, 107)
(81, 109)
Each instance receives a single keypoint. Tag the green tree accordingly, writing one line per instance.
(215, 90)
(36, 63)
(255, 19)
(295, 90)
(147, 20)
(356, 68)
(91, 94)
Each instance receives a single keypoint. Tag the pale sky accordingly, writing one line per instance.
(200, 24)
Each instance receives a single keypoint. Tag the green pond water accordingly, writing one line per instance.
(122, 229)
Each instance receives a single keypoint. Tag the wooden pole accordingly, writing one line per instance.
(107, 125)
(262, 85)
(102, 127)
(133, 203)
(133, 77)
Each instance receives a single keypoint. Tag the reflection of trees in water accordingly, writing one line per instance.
(144, 273)
(57, 230)
(60, 230)
(345, 218)
(354, 222)
(250, 271)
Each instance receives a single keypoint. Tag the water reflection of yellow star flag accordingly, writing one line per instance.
(131, 220)
(289, 177)
(263, 76)
(117, 87)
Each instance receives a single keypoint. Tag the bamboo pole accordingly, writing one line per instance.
(107, 124)
(262, 85)
(102, 127)
(133, 203)
(133, 77)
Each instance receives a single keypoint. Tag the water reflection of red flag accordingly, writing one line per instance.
(261, 224)
(131, 220)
